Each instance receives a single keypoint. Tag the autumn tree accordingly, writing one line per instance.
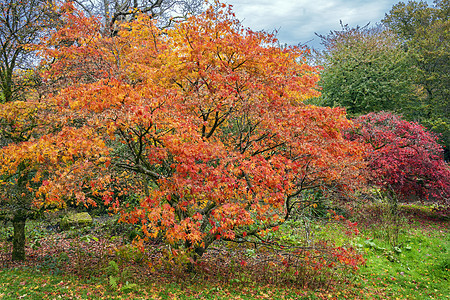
(405, 160)
(365, 69)
(21, 23)
(205, 122)
(37, 143)
(424, 31)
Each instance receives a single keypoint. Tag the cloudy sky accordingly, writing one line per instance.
(298, 20)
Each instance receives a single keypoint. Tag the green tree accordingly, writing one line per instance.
(365, 69)
(425, 33)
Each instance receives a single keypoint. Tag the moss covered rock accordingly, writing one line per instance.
(77, 220)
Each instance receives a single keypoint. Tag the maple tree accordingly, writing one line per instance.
(21, 24)
(37, 143)
(36, 147)
(405, 159)
(32, 146)
(204, 122)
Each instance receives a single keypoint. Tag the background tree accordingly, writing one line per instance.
(22, 23)
(364, 69)
(424, 31)
(206, 123)
(165, 11)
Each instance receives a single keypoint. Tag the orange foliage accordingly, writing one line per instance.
(35, 154)
(206, 121)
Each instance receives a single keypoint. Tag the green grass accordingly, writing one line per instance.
(419, 271)
(418, 267)
(25, 283)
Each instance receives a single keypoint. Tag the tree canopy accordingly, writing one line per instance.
(203, 122)
(400, 66)
(206, 124)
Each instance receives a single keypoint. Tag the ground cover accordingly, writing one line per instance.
(404, 259)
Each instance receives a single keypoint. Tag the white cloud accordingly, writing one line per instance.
(298, 20)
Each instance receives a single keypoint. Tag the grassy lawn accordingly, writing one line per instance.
(418, 268)
(27, 284)
(406, 259)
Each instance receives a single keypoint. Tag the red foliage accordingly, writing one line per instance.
(404, 158)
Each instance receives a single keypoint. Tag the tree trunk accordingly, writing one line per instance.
(207, 241)
(198, 251)
(6, 85)
(18, 252)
